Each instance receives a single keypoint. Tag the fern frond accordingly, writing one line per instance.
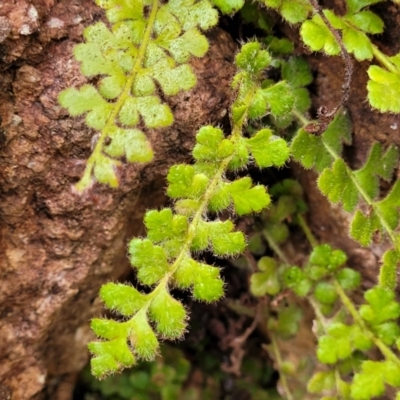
(164, 259)
(353, 188)
(142, 49)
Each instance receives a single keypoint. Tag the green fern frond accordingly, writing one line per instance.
(141, 49)
(164, 259)
(266, 281)
(341, 184)
(341, 341)
(355, 188)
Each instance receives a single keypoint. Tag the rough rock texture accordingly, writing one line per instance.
(57, 248)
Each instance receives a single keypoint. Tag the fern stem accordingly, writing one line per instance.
(349, 305)
(274, 246)
(384, 60)
(317, 311)
(278, 358)
(338, 382)
(307, 231)
(386, 351)
(87, 175)
(304, 121)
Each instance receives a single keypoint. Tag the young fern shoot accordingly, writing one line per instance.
(149, 44)
(164, 260)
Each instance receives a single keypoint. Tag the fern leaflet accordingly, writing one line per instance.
(149, 44)
(164, 259)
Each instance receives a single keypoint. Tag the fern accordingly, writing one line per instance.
(374, 325)
(293, 11)
(164, 259)
(149, 44)
(355, 26)
(346, 333)
(229, 6)
(356, 188)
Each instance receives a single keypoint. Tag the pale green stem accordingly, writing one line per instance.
(300, 117)
(87, 175)
(307, 231)
(384, 60)
(274, 246)
(349, 305)
(338, 381)
(317, 311)
(278, 358)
